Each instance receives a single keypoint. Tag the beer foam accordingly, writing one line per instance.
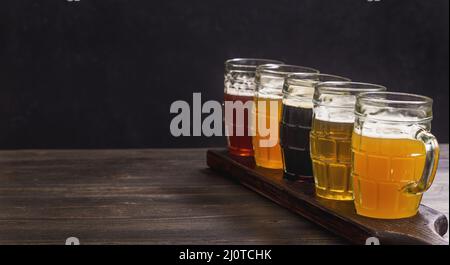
(396, 115)
(269, 97)
(240, 92)
(270, 94)
(334, 115)
(239, 83)
(298, 103)
(302, 91)
(386, 131)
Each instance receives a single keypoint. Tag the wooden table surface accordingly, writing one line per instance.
(148, 196)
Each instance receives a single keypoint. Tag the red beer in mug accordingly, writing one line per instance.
(240, 88)
(239, 145)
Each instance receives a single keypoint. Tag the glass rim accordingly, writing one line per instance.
(345, 86)
(306, 80)
(404, 101)
(304, 76)
(284, 69)
(243, 64)
(420, 99)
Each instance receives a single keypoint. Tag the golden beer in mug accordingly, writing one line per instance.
(395, 156)
(331, 135)
(267, 112)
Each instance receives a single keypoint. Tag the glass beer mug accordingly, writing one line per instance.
(267, 112)
(331, 135)
(296, 120)
(239, 83)
(395, 156)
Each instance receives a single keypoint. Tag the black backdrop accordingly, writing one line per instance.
(102, 74)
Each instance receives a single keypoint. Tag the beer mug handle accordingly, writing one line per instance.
(431, 163)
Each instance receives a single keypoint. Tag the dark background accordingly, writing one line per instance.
(102, 74)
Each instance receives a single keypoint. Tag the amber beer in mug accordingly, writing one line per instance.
(395, 156)
(296, 122)
(240, 87)
(267, 112)
(331, 135)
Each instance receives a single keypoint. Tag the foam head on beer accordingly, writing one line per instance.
(331, 135)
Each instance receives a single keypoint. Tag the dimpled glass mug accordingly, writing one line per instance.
(295, 124)
(239, 84)
(395, 157)
(267, 112)
(331, 135)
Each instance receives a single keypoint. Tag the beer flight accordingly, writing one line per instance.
(356, 141)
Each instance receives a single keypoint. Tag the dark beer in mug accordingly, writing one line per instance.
(294, 139)
(296, 123)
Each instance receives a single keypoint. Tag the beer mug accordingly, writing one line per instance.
(267, 112)
(395, 156)
(296, 122)
(331, 135)
(240, 89)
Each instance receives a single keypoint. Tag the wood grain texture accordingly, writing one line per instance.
(153, 196)
(136, 197)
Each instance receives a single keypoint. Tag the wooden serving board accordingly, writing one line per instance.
(339, 217)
